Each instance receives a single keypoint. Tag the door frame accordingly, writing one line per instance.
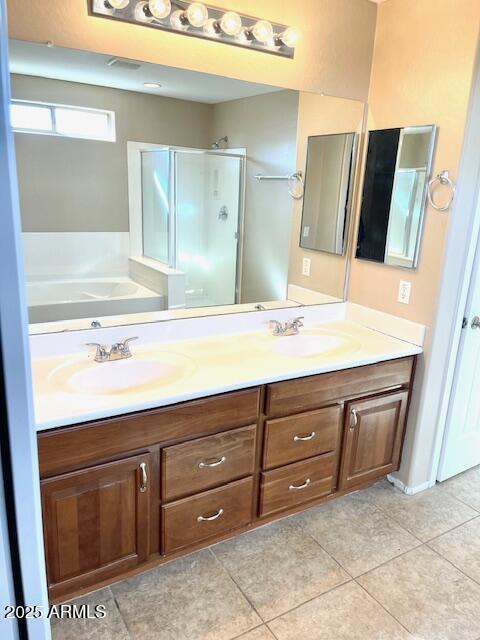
(463, 237)
(458, 375)
(19, 445)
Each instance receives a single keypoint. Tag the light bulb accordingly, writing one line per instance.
(142, 12)
(117, 4)
(197, 14)
(263, 31)
(231, 23)
(178, 20)
(246, 36)
(211, 27)
(160, 8)
(289, 37)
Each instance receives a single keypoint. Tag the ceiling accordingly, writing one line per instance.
(34, 59)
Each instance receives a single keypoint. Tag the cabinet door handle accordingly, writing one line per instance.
(215, 516)
(299, 487)
(353, 419)
(211, 465)
(143, 477)
(310, 436)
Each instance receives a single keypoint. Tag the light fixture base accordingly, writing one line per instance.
(101, 8)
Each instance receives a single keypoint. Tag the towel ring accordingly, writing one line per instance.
(442, 178)
(294, 178)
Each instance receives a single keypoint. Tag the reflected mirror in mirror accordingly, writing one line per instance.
(328, 191)
(139, 192)
(394, 195)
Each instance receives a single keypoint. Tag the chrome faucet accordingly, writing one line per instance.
(289, 328)
(118, 351)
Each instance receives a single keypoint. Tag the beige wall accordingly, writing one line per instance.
(319, 115)
(68, 184)
(423, 63)
(266, 126)
(422, 70)
(334, 54)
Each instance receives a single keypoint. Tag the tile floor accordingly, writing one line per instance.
(374, 565)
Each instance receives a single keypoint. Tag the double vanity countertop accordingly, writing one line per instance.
(71, 388)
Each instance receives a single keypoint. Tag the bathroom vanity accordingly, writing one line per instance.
(126, 493)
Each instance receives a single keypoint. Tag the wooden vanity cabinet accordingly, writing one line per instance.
(373, 438)
(96, 522)
(126, 493)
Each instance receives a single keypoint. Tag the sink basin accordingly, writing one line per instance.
(313, 344)
(121, 376)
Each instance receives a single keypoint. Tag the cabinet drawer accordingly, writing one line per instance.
(208, 514)
(304, 394)
(297, 483)
(192, 467)
(76, 447)
(302, 436)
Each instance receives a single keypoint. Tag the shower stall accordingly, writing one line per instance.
(192, 207)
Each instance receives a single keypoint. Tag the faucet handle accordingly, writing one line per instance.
(124, 345)
(276, 327)
(101, 354)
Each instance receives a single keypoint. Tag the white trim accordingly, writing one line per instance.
(16, 362)
(458, 262)
(8, 627)
(410, 491)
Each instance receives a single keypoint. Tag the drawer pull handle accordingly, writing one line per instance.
(211, 465)
(310, 436)
(144, 478)
(299, 487)
(210, 518)
(353, 419)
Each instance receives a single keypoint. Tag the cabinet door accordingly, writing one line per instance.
(373, 438)
(96, 523)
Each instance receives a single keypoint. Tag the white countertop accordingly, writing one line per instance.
(200, 367)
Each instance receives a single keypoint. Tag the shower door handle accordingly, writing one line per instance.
(223, 213)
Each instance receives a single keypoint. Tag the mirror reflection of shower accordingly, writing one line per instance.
(192, 217)
(221, 141)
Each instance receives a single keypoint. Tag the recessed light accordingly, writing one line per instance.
(152, 85)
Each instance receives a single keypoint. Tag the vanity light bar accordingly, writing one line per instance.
(202, 21)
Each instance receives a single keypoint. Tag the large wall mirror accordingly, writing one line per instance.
(149, 192)
(394, 195)
(328, 192)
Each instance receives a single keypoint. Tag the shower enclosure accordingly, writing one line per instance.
(192, 217)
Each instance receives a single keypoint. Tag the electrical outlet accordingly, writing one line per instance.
(404, 291)
(306, 267)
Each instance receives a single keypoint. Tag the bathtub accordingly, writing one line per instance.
(51, 300)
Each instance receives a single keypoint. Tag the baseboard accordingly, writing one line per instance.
(410, 491)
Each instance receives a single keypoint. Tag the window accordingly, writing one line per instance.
(62, 120)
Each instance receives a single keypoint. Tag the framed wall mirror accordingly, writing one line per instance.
(328, 192)
(394, 196)
(145, 191)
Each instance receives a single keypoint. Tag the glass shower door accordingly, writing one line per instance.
(156, 204)
(207, 215)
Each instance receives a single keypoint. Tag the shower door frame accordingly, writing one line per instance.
(172, 214)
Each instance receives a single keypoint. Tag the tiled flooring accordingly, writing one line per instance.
(374, 565)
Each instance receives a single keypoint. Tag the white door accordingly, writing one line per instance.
(461, 445)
